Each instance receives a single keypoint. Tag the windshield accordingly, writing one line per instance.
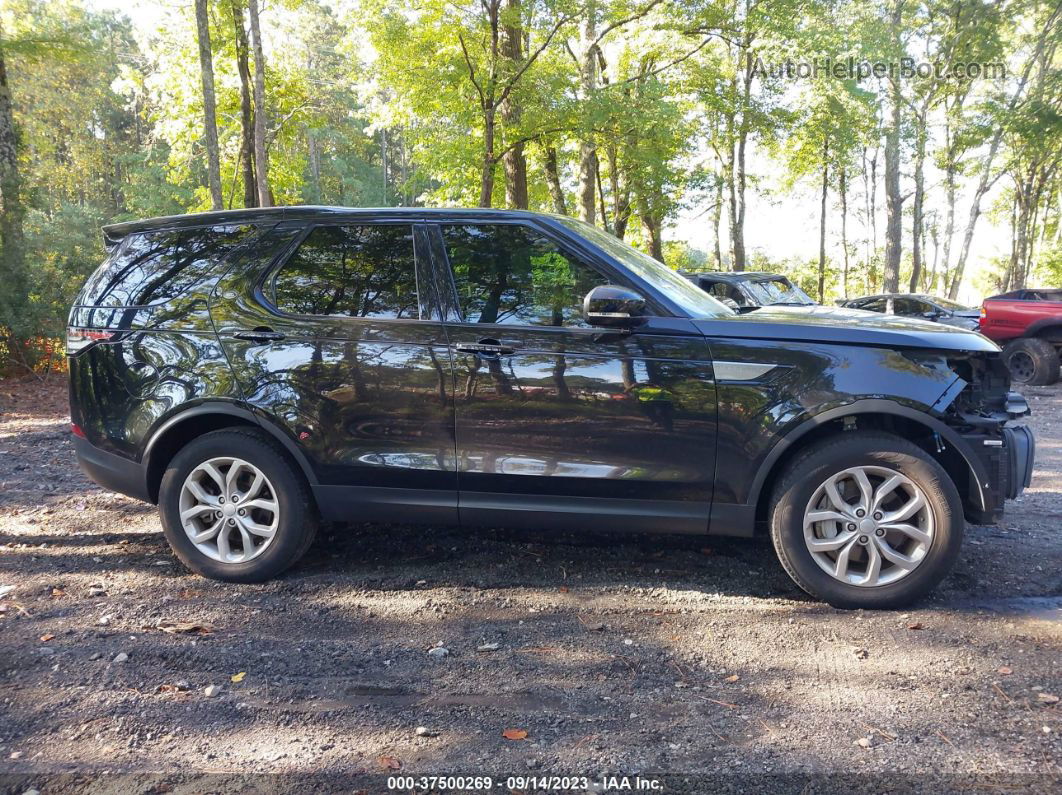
(691, 298)
(778, 291)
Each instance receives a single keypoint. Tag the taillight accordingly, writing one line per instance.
(76, 430)
(984, 312)
(77, 339)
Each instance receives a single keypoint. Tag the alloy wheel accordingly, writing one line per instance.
(868, 526)
(229, 510)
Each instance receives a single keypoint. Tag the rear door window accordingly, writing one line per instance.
(351, 271)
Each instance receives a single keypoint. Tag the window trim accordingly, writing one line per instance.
(265, 286)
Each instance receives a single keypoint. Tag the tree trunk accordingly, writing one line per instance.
(621, 194)
(12, 242)
(652, 226)
(822, 217)
(487, 167)
(843, 190)
(587, 148)
(553, 182)
(893, 199)
(514, 162)
(950, 169)
(210, 125)
(919, 199)
(717, 214)
(261, 159)
(250, 193)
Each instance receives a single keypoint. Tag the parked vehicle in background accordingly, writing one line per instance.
(254, 371)
(1028, 324)
(926, 307)
(749, 290)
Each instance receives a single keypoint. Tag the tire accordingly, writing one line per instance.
(1032, 361)
(802, 489)
(293, 522)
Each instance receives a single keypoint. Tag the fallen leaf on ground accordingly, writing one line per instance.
(238, 677)
(563, 589)
(733, 678)
(389, 762)
(916, 625)
(1005, 670)
(1047, 698)
(46, 638)
(514, 734)
(184, 627)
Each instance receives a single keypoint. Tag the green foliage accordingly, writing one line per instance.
(395, 103)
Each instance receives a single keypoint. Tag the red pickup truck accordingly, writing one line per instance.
(1028, 324)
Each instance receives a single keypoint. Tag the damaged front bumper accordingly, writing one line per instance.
(981, 413)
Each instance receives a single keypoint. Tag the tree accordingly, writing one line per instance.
(210, 125)
(261, 158)
(12, 214)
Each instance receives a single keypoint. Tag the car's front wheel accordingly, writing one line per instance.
(866, 520)
(234, 507)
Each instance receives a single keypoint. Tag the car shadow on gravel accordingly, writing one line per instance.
(397, 557)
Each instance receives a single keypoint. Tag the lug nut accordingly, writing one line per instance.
(221, 499)
(232, 521)
(879, 532)
(242, 512)
(851, 526)
(861, 513)
(862, 539)
(879, 515)
(235, 497)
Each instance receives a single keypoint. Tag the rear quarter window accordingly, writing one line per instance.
(152, 268)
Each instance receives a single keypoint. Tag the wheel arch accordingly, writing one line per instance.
(177, 431)
(954, 454)
(1048, 328)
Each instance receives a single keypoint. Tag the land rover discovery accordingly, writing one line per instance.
(254, 372)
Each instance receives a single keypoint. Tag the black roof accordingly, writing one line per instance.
(114, 232)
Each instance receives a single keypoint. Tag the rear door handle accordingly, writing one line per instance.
(487, 350)
(260, 335)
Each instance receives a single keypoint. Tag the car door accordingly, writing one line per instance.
(337, 341)
(560, 422)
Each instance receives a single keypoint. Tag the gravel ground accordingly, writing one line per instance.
(121, 671)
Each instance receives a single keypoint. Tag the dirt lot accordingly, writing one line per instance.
(615, 655)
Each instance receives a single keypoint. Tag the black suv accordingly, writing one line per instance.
(255, 371)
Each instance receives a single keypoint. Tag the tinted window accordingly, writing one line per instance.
(514, 275)
(154, 267)
(910, 307)
(877, 305)
(356, 271)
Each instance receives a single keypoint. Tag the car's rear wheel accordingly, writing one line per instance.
(866, 520)
(234, 507)
(1032, 361)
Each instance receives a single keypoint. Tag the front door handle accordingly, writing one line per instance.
(487, 349)
(260, 335)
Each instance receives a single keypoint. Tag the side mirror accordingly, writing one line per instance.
(613, 307)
